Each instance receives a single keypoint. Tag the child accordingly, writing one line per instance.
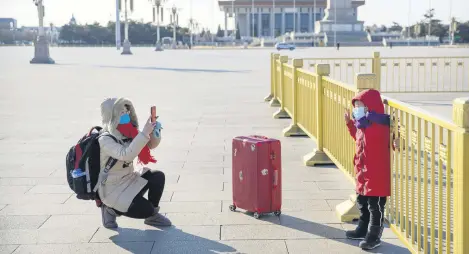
(370, 130)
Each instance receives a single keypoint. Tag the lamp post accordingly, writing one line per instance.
(157, 7)
(450, 32)
(118, 26)
(174, 21)
(192, 27)
(127, 44)
(252, 19)
(408, 22)
(273, 20)
(335, 24)
(41, 47)
(314, 24)
(430, 22)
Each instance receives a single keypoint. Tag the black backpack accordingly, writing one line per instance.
(83, 165)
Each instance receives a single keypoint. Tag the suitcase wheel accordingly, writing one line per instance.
(232, 208)
(277, 213)
(257, 215)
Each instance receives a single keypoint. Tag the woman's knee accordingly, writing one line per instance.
(158, 176)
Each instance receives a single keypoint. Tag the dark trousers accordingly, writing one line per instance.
(142, 208)
(371, 209)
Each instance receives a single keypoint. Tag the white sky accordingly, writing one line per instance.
(207, 12)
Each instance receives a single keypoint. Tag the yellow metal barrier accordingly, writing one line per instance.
(273, 67)
(424, 74)
(287, 88)
(280, 87)
(429, 194)
(429, 168)
(342, 69)
(402, 74)
(277, 67)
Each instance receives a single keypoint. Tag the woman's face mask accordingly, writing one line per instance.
(125, 119)
(125, 116)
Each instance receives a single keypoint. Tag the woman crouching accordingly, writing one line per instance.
(121, 190)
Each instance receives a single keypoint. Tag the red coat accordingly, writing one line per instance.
(372, 155)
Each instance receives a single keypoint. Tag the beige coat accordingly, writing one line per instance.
(122, 183)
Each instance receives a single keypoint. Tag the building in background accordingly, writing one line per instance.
(264, 19)
(8, 23)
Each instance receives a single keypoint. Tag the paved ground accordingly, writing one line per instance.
(204, 98)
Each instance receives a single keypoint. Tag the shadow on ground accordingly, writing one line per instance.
(167, 240)
(174, 69)
(334, 234)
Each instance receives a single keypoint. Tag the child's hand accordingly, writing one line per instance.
(396, 144)
(347, 116)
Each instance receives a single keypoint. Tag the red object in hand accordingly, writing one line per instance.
(153, 114)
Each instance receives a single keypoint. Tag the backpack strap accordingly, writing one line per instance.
(109, 164)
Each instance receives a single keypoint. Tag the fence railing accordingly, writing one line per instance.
(401, 74)
(429, 168)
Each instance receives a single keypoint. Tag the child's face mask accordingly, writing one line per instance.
(359, 113)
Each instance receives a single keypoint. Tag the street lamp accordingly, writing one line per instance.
(408, 23)
(192, 27)
(174, 21)
(118, 25)
(126, 49)
(41, 47)
(158, 6)
(314, 24)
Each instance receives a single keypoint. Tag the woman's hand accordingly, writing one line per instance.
(148, 128)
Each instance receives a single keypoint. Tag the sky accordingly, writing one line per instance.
(207, 13)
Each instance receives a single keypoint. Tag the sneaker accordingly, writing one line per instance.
(359, 233)
(108, 217)
(372, 238)
(158, 219)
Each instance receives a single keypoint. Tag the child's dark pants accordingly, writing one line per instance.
(371, 209)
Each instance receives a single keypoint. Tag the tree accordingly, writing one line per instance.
(141, 33)
(463, 32)
(238, 34)
(395, 27)
(219, 32)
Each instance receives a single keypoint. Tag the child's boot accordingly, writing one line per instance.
(372, 238)
(359, 233)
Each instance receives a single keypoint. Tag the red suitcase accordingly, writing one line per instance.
(257, 175)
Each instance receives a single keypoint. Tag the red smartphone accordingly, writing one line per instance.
(153, 114)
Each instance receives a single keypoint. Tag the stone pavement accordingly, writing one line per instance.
(204, 98)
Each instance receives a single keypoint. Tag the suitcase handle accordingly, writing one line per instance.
(259, 137)
(275, 178)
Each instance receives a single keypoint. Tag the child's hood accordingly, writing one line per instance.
(372, 100)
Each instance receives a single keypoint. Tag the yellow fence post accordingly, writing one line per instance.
(281, 113)
(318, 156)
(347, 210)
(274, 101)
(376, 69)
(461, 176)
(294, 129)
(273, 69)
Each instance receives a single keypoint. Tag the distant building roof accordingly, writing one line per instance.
(6, 22)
